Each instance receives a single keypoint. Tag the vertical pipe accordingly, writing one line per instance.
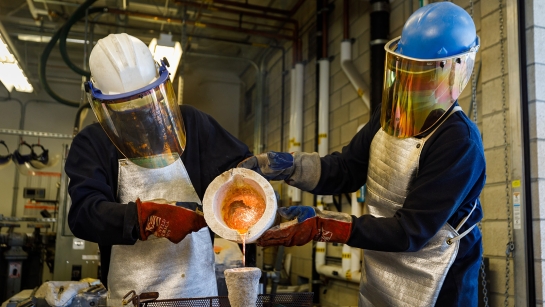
(380, 29)
(323, 106)
(296, 120)
(352, 73)
(258, 113)
(523, 75)
(346, 31)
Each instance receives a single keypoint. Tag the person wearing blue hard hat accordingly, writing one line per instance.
(423, 163)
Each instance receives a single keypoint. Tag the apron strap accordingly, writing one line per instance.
(463, 234)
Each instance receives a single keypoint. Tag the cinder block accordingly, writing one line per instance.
(335, 66)
(538, 230)
(489, 6)
(334, 100)
(363, 63)
(497, 278)
(491, 58)
(467, 92)
(338, 81)
(539, 266)
(537, 119)
(534, 14)
(337, 12)
(334, 138)
(360, 25)
(348, 131)
(536, 78)
(339, 116)
(492, 95)
(365, 118)
(491, 29)
(357, 109)
(335, 30)
(336, 149)
(538, 198)
(309, 134)
(493, 200)
(537, 160)
(495, 170)
(397, 17)
(495, 237)
(348, 94)
(493, 134)
(308, 146)
(363, 43)
(310, 100)
(334, 46)
(465, 103)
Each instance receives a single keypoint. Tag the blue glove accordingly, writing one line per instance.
(271, 165)
(299, 169)
(308, 224)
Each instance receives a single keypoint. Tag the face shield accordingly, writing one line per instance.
(418, 92)
(146, 125)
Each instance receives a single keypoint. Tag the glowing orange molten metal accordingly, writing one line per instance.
(242, 206)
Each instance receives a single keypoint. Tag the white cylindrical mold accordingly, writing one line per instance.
(242, 286)
(296, 120)
(352, 73)
(226, 189)
(323, 108)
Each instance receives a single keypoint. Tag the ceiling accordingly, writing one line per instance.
(213, 33)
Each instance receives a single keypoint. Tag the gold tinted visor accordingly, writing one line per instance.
(418, 92)
(146, 127)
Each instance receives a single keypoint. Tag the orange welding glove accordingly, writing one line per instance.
(173, 222)
(308, 224)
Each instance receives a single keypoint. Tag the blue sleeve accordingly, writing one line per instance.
(346, 171)
(450, 178)
(95, 215)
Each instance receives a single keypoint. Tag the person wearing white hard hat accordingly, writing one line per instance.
(423, 164)
(138, 176)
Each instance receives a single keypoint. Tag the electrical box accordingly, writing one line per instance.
(34, 193)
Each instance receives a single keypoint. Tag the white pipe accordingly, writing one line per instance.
(323, 108)
(296, 120)
(345, 262)
(35, 12)
(352, 73)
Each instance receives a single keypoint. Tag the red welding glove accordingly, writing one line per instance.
(169, 221)
(310, 224)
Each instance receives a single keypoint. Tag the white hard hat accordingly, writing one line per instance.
(121, 63)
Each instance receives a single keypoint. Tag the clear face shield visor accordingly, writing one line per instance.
(418, 92)
(146, 125)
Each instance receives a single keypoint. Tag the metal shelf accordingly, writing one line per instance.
(36, 133)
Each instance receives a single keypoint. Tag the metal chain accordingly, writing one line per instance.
(510, 245)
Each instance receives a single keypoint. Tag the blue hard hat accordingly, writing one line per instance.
(437, 30)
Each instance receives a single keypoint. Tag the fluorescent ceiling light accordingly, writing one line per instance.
(166, 48)
(45, 39)
(11, 73)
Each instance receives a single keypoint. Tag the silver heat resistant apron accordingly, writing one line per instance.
(182, 270)
(408, 278)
